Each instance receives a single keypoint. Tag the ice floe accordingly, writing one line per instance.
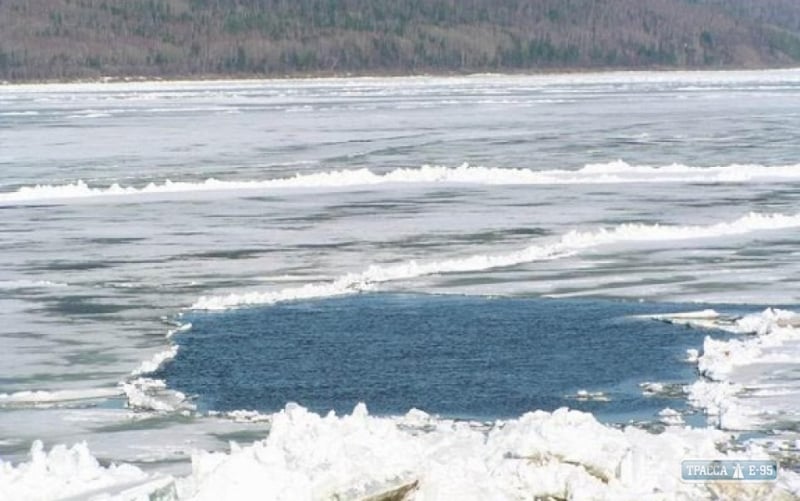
(31, 284)
(740, 389)
(569, 244)
(73, 473)
(57, 397)
(617, 172)
(561, 455)
(670, 417)
(147, 394)
(180, 328)
(585, 395)
(670, 390)
(160, 358)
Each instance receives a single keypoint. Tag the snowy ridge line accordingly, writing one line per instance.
(617, 172)
(562, 454)
(569, 244)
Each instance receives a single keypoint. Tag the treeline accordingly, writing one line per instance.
(58, 39)
(778, 13)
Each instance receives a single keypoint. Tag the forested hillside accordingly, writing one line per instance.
(44, 39)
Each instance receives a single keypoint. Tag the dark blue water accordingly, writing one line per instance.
(459, 356)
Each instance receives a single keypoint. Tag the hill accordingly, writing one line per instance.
(65, 39)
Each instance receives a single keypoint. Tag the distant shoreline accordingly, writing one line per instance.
(213, 77)
(66, 41)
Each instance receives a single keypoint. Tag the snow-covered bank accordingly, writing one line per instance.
(563, 455)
